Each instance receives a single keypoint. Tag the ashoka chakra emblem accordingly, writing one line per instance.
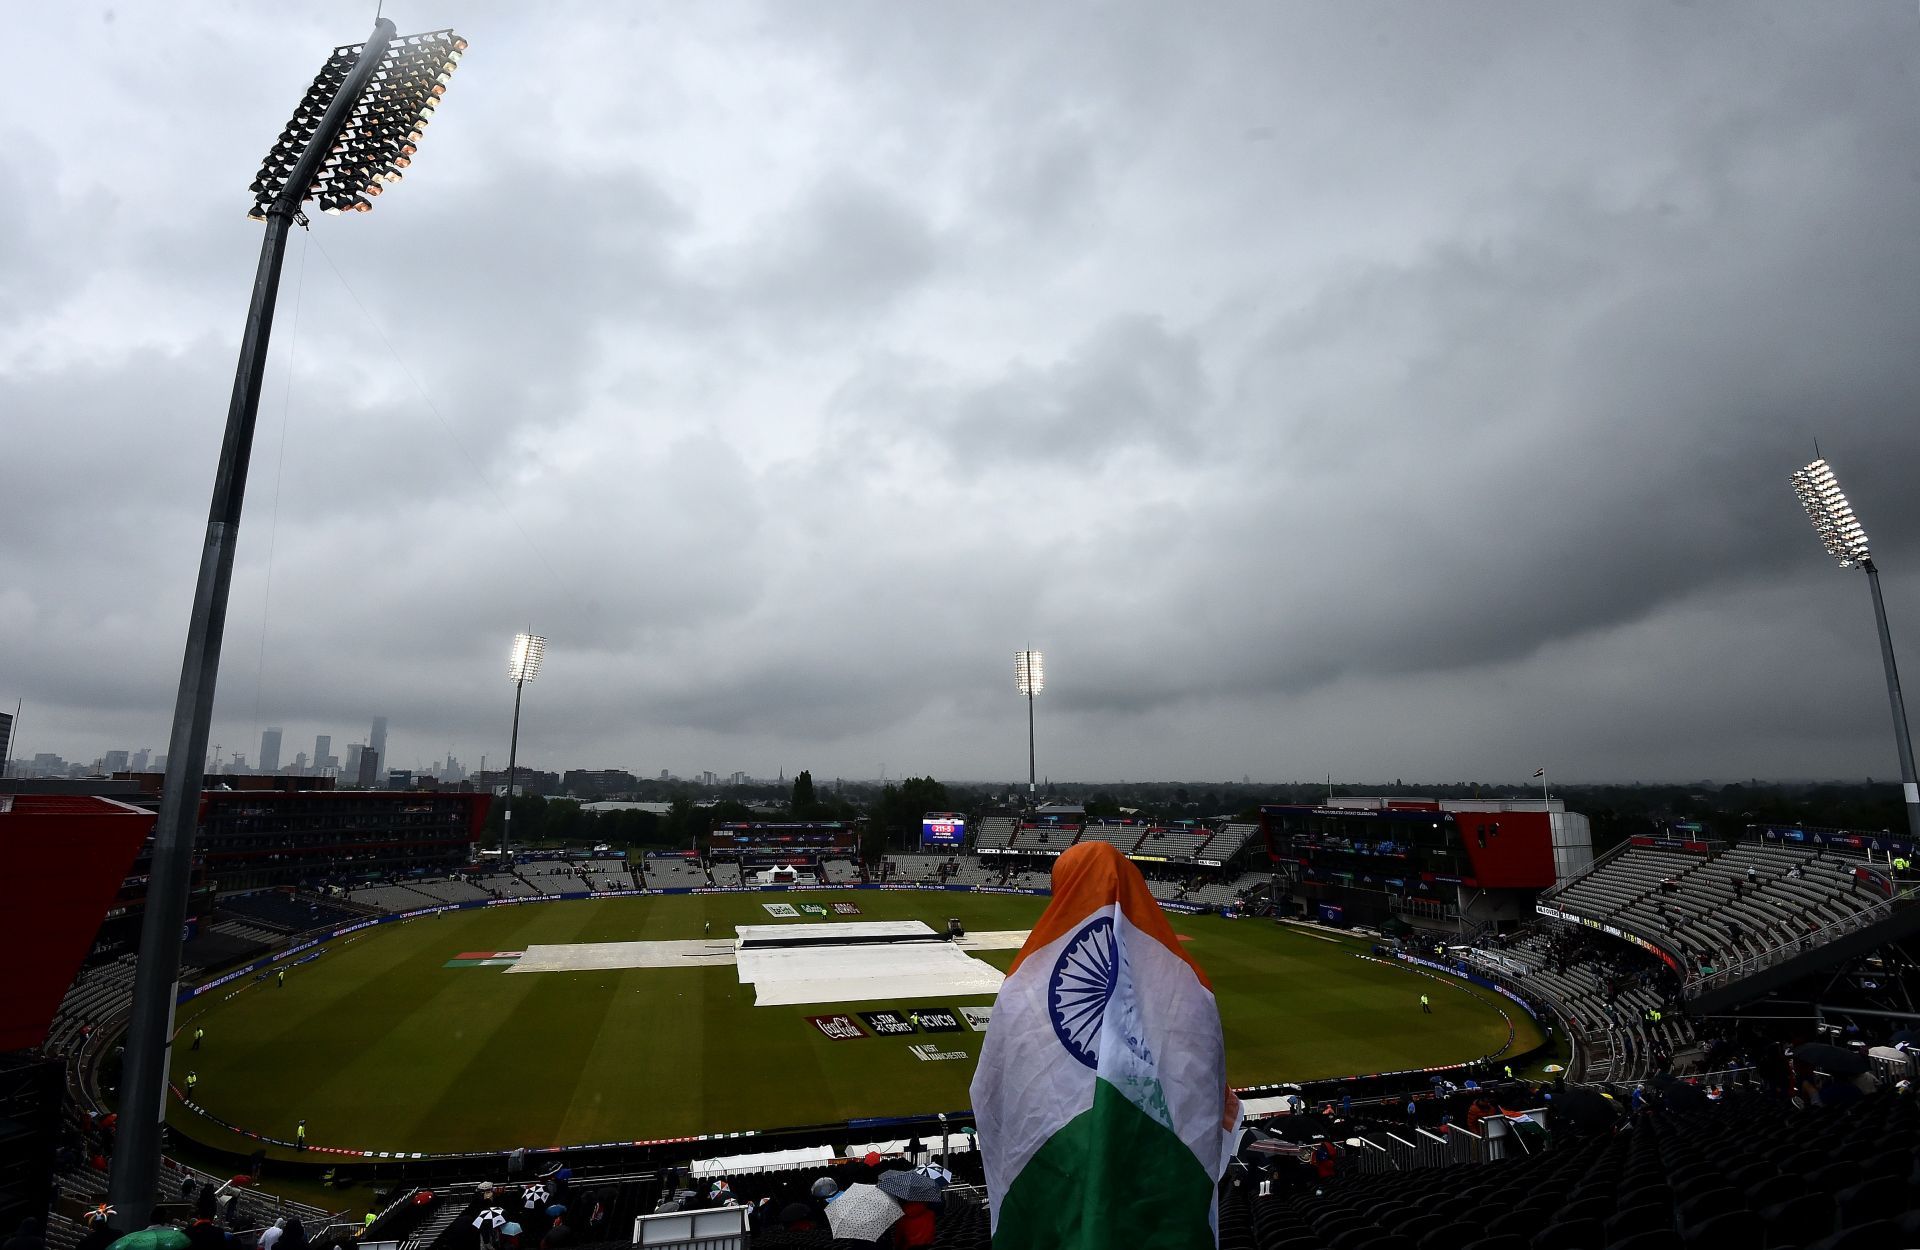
(1082, 982)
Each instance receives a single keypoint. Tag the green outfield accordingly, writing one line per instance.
(380, 1045)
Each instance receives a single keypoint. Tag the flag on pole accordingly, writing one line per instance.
(1101, 1099)
(1539, 772)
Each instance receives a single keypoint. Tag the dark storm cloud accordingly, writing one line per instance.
(1383, 387)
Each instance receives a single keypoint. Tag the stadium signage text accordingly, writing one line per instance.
(932, 1051)
(887, 1023)
(839, 1028)
(1611, 930)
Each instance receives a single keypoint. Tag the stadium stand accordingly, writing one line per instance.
(504, 885)
(1712, 909)
(287, 913)
(450, 891)
(975, 871)
(930, 869)
(1220, 893)
(1173, 843)
(392, 897)
(1124, 838)
(1045, 838)
(1604, 991)
(256, 934)
(670, 873)
(727, 873)
(1750, 1171)
(840, 871)
(1229, 842)
(996, 832)
(99, 995)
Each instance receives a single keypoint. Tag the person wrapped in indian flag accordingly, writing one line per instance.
(1101, 1100)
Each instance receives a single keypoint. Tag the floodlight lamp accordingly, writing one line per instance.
(1029, 673)
(523, 662)
(1831, 514)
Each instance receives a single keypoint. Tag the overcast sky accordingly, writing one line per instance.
(1396, 390)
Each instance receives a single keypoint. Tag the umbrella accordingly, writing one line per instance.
(1555, 1067)
(491, 1217)
(511, 1229)
(934, 1171)
(556, 1210)
(422, 1198)
(163, 1237)
(861, 1213)
(910, 1186)
(1836, 1060)
(797, 1213)
(534, 1195)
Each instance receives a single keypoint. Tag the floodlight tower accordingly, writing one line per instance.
(1029, 678)
(1846, 542)
(523, 665)
(352, 134)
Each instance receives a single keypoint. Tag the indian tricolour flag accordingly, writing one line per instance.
(1101, 1097)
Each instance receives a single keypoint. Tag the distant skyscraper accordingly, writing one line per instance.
(270, 751)
(138, 764)
(299, 763)
(322, 748)
(377, 740)
(351, 771)
(6, 741)
(369, 770)
(114, 762)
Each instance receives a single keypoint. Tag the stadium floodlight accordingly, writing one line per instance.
(523, 662)
(358, 122)
(523, 665)
(1832, 515)
(1029, 678)
(1841, 533)
(383, 126)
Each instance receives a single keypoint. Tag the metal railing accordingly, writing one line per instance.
(1783, 951)
(1599, 861)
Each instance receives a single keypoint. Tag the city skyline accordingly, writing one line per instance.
(1383, 392)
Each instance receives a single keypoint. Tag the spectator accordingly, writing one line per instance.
(27, 1237)
(558, 1235)
(270, 1238)
(915, 1227)
(293, 1236)
(202, 1232)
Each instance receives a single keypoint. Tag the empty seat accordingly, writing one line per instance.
(1877, 1235)
(1449, 1236)
(1730, 1228)
(1797, 1221)
(1570, 1235)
